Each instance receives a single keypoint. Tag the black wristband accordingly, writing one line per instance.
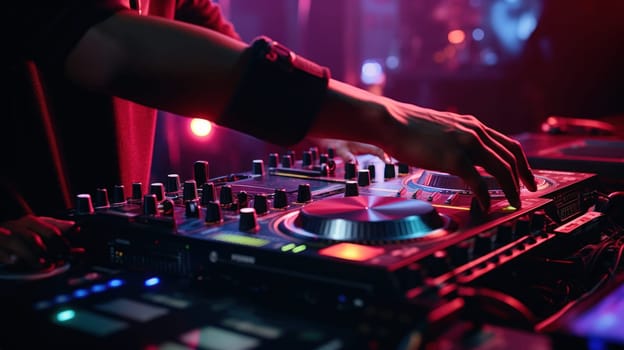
(279, 95)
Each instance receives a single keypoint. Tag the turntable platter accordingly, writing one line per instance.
(439, 181)
(366, 219)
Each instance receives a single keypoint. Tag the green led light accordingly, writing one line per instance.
(65, 315)
(299, 248)
(288, 247)
(509, 208)
(244, 240)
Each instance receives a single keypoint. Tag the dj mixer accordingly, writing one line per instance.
(369, 254)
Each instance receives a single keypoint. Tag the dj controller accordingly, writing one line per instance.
(313, 252)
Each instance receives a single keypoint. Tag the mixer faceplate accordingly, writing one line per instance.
(366, 219)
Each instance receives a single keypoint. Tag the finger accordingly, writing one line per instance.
(365, 148)
(493, 164)
(345, 155)
(497, 167)
(524, 169)
(42, 227)
(63, 225)
(497, 148)
(475, 182)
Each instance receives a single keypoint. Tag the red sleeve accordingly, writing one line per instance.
(204, 13)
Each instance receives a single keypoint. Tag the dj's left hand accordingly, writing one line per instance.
(32, 239)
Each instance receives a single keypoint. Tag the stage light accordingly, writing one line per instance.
(200, 127)
(456, 36)
(372, 72)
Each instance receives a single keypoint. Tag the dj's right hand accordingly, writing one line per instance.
(32, 240)
(436, 140)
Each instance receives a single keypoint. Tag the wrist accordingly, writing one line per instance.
(350, 113)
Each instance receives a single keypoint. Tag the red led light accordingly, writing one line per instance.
(350, 251)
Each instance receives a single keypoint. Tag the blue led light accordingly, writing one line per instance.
(97, 288)
(115, 283)
(150, 282)
(81, 293)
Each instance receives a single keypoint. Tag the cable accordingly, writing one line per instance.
(539, 327)
(485, 294)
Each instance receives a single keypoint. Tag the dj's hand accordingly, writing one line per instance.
(348, 150)
(460, 145)
(430, 139)
(33, 239)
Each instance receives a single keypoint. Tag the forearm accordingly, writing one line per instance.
(172, 66)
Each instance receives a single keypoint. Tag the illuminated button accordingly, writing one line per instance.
(65, 315)
(151, 281)
(299, 248)
(238, 239)
(350, 251)
(509, 208)
(288, 247)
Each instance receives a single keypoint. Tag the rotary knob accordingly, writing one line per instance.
(349, 170)
(189, 192)
(306, 159)
(150, 204)
(213, 212)
(314, 152)
(280, 199)
(137, 191)
(261, 204)
(403, 169)
(158, 189)
(363, 177)
(304, 193)
(201, 172)
(119, 195)
(504, 233)
(287, 161)
(225, 195)
(208, 193)
(273, 159)
(323, 158)
(101, 198)
(351, 189)
(389, 171)
(258, 167)
(371, 172)
(248, 221)
(243, 199)
(84, 205)
(172, 185)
